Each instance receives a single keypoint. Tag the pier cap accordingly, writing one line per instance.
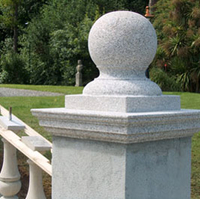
(122, 44)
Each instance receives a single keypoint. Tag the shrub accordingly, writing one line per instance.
(13, 69)
(166, 82)
(177, 25)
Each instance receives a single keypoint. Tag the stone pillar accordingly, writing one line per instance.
(121, 139)
(79, 73)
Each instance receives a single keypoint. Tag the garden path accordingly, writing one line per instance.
(11, 92)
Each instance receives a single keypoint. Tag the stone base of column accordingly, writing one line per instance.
(122, 103)
(100, 170)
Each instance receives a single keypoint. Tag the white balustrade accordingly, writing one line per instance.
(30, 146)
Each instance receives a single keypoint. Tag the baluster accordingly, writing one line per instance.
(35, 190)
(10, 183)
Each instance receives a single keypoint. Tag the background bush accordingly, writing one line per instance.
(166, 82)
(177, 23)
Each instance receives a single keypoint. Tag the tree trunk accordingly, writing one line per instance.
(151, 4)
(15, 36)
(197, 85)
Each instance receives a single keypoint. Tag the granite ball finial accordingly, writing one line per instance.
(122, 44)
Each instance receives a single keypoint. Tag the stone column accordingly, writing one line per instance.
(121, 139)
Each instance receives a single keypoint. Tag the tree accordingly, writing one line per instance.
(9, 18)
(177, 23)
(58, 38)
(13, 17)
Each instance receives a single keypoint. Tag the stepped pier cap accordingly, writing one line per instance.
(122, 44)
(121, 138)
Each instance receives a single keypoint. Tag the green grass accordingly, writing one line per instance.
(22, 105)
(188, 100)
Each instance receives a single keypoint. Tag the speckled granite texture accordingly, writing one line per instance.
(122, 113)
(102, 170)
(119, 127)
(122, 45)
(121, 139)
(125, 104)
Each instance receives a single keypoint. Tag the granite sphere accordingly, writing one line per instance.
(122, 44)
(122, 38)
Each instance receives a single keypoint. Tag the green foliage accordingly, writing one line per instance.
(13, 15)
(26, 10)
(166, 82)
(178, 28)
(13, 70)
(12, 65)
(55, 45)
(51, 36)
(57, 39)
(8, 9)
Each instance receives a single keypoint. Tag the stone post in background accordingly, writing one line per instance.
(121, 139)
(79, 68)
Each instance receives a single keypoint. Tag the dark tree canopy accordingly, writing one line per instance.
(45, 38)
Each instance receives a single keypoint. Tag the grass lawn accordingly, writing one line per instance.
(22, 105)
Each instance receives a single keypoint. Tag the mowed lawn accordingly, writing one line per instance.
(22, 105)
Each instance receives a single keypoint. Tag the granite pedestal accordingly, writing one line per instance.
(121, 138)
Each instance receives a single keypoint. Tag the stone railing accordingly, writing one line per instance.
(32, 147)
